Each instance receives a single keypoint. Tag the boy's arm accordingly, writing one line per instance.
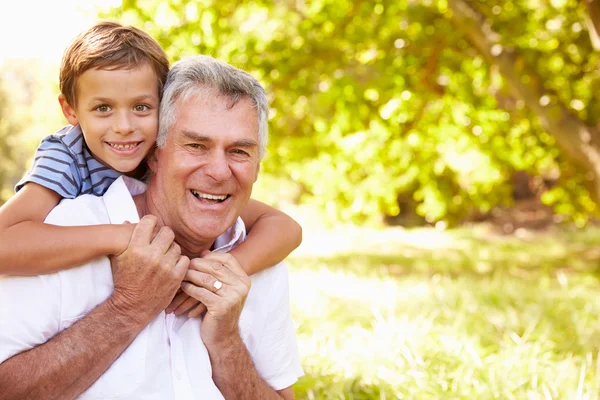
(30, 247)
(272, 236)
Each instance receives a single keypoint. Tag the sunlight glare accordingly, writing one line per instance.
(42, 29)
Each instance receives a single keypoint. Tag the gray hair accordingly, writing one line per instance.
(203, 75)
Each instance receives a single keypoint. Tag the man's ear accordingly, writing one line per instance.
(257, 171)
(68, 111)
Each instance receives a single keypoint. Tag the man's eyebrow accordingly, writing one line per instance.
(248, 143)
(245, 143)
(195, 136)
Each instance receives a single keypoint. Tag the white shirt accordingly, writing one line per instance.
(168, 359)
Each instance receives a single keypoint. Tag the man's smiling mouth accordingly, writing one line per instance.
(212, 198)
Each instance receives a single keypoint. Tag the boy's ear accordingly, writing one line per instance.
(68, 111)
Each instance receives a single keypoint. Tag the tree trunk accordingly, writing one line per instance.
(593, 22)
(579, 142)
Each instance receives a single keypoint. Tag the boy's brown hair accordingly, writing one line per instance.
(110, 45)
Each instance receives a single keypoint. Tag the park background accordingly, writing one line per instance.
(443, 157)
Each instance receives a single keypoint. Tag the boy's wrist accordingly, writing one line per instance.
(239, 257)
(121, 238)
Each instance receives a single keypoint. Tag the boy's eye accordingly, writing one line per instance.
(103, 108)
(141, 108)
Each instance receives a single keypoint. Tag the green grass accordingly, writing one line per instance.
(448, 315)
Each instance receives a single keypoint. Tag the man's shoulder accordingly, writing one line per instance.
(269, 284)
(86, 209)
(276, 272)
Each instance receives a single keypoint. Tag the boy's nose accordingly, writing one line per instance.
(123, 125)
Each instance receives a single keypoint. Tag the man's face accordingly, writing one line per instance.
(203, 175)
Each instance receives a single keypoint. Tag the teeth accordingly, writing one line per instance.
(208, 196)
(123, 146)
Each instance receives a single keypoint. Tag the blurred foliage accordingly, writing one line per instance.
(8, 127)
(29, 111)
(376, 102)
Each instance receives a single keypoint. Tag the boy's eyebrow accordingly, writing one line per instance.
(249, 143)
(107, 99)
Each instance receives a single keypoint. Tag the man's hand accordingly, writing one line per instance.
(182, 302)
(218, 281)
(147, 275)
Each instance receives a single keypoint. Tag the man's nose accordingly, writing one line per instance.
(218, 166)
(123, 124)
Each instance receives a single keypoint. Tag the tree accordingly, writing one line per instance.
(579, 140)
(377, 102)
(8, 128)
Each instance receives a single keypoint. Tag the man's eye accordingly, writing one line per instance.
(196, 145)
(141, 108)
(240, 152)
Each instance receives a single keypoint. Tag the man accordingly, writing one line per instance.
(90, 332)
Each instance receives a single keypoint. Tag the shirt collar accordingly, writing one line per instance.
(233, 236)
(121, 207)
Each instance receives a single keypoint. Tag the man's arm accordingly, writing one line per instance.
(236, 376)
(70, 362)
(146, 277)
(233, 370)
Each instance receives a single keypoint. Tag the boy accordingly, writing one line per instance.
(111, 79)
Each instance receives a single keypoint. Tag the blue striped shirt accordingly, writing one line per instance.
(63, 163)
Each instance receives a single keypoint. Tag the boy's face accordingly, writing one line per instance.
(118, 114)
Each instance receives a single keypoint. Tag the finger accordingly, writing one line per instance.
(186, 305)
(201, 294)
(172, 255)
(214, 268)
(179, 298)
(181, 267)
(163, 239)
(142, 233)
(227, 260)
(198, 311)
(204, 280)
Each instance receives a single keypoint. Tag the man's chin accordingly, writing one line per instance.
(210, 229)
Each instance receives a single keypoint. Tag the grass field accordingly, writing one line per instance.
(422, 314)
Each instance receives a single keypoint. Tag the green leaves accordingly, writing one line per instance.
(375, 101)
